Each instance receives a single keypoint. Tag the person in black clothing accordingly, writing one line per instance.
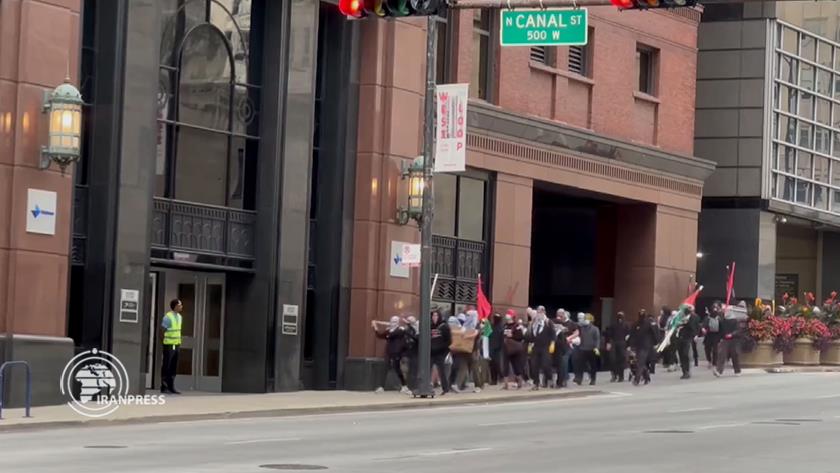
(684, 335)
(730, 332)
(514, 349)
(565, 329)
(441, 338)
(711, 333)
(643, 340)
(412, 348)
(541, 334)
(394, 349)
(616, 339)
(497, 338)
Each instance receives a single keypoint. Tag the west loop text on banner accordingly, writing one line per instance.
(451, 127)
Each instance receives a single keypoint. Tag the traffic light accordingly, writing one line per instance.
(645, 4)
(351, 8)
(354, 9)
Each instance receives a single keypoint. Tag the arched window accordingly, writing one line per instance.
(208, 133)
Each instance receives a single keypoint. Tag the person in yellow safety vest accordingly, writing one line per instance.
(171, 325)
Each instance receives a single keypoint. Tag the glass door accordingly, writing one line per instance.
(203, 298)
(209, 362)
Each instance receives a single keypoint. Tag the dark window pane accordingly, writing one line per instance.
(787, 159)
(481, 59)
(787, 69)
(234, 21)
(178, 18)
(646, 65)
(236, 172)
(822, 139)
(786, 188)
(835, 206)
(835, 173)
(824, 82)
(205, 82)
(444, 221)
(824, 112)
(803, 165)
(803, 192)
(821, 197)
(821, 169)
(471, 209)
(806, 106)
(806, 76)
(165, 136)
(806, 132)
(246, 102)
(201, 166)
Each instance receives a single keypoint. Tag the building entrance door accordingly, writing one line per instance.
(203, 297)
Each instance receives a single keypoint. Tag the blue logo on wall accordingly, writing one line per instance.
(397, 259)
(39, 211)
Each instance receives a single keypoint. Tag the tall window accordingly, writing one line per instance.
(580, 57)
(460, 231)
(482, 64)
(647, 59)
(208, 133)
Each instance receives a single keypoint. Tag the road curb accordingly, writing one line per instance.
(453, 400)
(803, 369)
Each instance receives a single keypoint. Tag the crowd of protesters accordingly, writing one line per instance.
(532, 350)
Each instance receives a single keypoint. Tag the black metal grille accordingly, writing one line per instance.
(203, 229)
(539, 54)
(457, 264)
(577, 60)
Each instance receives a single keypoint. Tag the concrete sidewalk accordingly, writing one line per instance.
(199, 406)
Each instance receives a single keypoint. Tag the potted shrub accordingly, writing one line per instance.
(760, 347)
(830, 353)
(808, 336)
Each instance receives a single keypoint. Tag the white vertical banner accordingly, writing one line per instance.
(451, 127)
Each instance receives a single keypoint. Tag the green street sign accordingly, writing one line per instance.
(544, 27)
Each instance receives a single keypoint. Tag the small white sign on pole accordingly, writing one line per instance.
(40, 211)
(398, 269)
(451, 127)
(411, 254)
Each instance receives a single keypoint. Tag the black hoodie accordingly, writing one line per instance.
(441, 338)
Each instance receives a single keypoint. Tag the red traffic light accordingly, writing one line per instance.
(351, 8)
(623, 4)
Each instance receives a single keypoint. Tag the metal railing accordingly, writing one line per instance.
(28, 385)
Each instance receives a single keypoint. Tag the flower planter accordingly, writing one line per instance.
(762, 356)
(831, 355)
(803, 353)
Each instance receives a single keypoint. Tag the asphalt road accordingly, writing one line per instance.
(756, 423)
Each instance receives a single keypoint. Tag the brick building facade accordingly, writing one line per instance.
(611, 122)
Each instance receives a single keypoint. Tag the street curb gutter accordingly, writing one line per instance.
(803, 369)
(454, 400)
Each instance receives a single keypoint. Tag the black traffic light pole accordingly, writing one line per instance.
(424, 388)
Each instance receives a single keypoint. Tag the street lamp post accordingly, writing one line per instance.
(424, 385)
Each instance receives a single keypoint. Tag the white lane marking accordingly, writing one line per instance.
(719, 426)
(514, 422)
(243, 442)
(696, 409)
(830, 396)
(454, 452)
